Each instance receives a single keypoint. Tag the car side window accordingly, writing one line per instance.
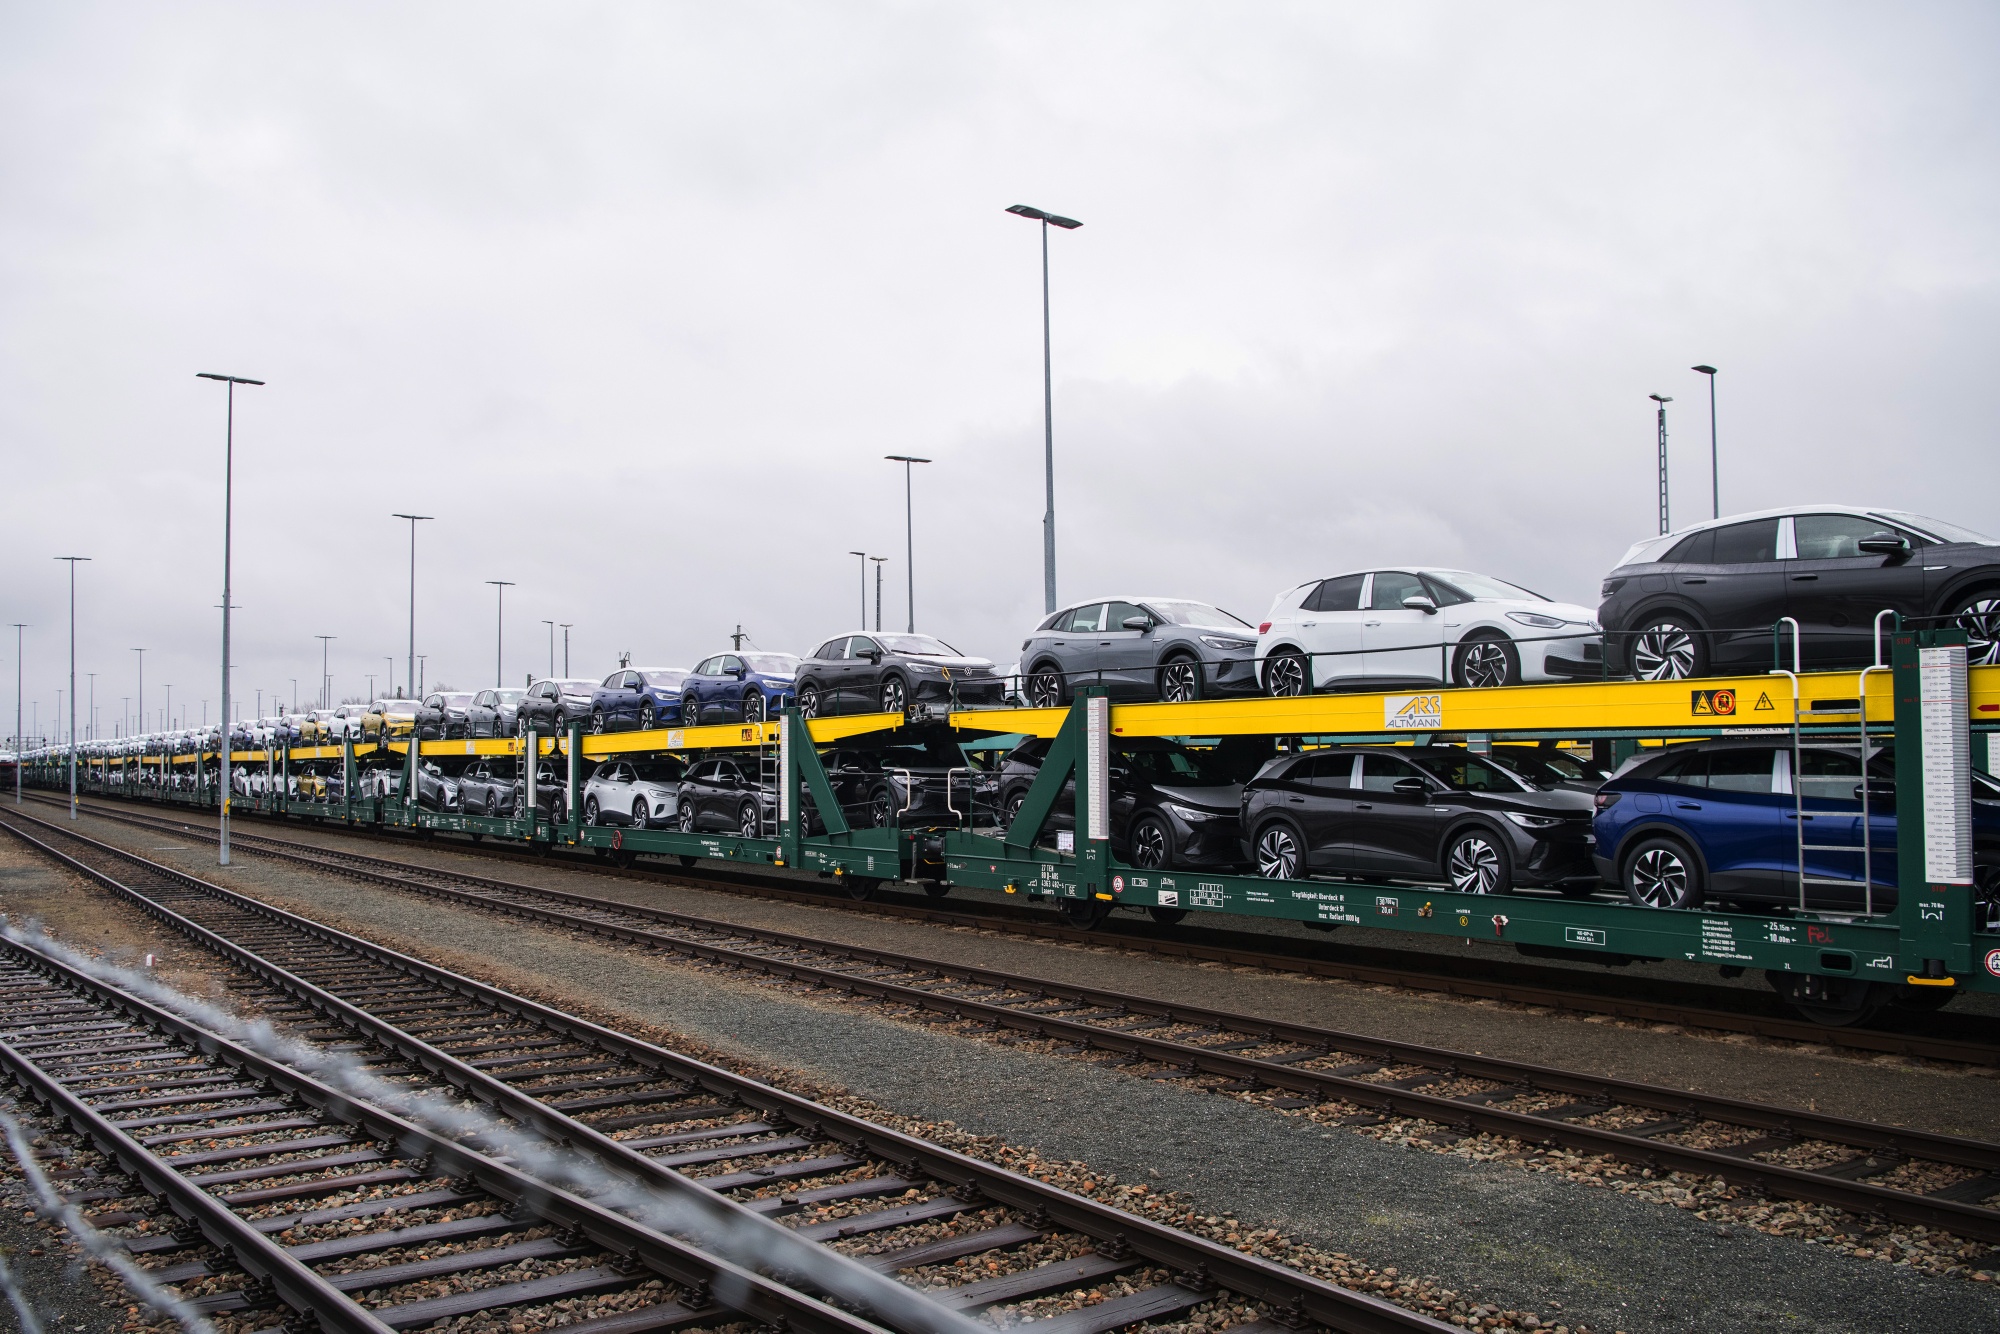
(831, 651)
(1694, 549)
(861, 645)
(1444, 594)
(1391, 587)
(730, 663)
(1742, 770)
(1747, 543)
(1333, 771)
(1689, 770)
(1342, 594)
(1830, 775)
(1832, 536)
(1379, 773)
(1087, 620)
(1121, 612)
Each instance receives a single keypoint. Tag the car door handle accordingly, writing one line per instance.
(1371, 622)
(1687, 805)
(1802, 578)
(1696, 580)
(1309, 625)
(1364, 805)
(1296, 801)
(1790, 816)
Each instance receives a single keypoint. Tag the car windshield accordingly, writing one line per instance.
(1176, 766)
(1484, 588)
(1938, 528)
(773, 664)
(664, 770)
(1196, 613)
(456, 699)
(1545, 768)
(920, 646)
(584, 688)
(509, 696)
(665, 678)
(1464, 772)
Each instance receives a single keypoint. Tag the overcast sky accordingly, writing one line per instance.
(635, 297)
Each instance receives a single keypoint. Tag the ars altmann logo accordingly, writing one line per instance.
(1421, 713)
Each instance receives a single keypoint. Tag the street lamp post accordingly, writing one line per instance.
(1048, 403)
(325, 680)
(567, 626)
(880, 561)
(1663, 400)
(20, 640)
(90, 713)
(552, 649)
(72, 679)
(864, 586)
(142, 687)
(1714, 456)
(391, 687)
(909, 531)
(410, 677)
(228, 481)
(500, 587)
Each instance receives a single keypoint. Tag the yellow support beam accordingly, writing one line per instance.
(823, 731)
(1714, 702)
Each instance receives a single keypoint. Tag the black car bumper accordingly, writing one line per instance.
(974, 694)
(1582, 661)
(1563, 860)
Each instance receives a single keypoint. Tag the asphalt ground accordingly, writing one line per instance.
(1517, 1239)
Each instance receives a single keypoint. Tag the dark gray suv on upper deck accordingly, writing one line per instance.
(1139, 648)
(1703, 600)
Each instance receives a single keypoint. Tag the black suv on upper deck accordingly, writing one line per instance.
(1703, 600)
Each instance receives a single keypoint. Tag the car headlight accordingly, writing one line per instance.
(1190, 814)
(1536, 619)
(1532, 821)
(1225, 642)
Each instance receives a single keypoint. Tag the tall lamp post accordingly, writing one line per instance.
(142, 687)
(552, 648)
(1663, 400)
(864, 587)
(19, 744)
(1047, 220)
(879, 562)
(228, 481)
(567, 626)
(500, 587)
(410, 677)
(72, 679)
(1714, 456)
(909, 532)
(325, 680)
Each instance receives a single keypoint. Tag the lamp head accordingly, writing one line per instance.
(226, 379)
(904, 458)
(1661, 399)
(1053, 219)
(1705, 370)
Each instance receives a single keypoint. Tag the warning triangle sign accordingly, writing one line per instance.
(1764, 701)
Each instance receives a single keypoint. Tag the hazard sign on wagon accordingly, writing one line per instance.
(1714, 703)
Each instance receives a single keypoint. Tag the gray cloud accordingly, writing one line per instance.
(633, 298)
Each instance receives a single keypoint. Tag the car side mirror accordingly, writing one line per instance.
(1885, 544)
(1137, 622)
(1418, 602)
(874, 657)
(1409, 787)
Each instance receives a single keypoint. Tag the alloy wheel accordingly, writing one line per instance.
(894, 698)
(809, 701)
(1474, 865)
(1180, 681)
(1149, 844)
(753, 707)
(1285, 675)
(747, 823)
(1483, 663)
(1979, 617)
(590, 811)
(881, 808)
(639, 813)
(1045, 690)
(1277, 854)
(690, 711)
(684, 816)
(1663, 652)
(1659, 878)
(597, 722)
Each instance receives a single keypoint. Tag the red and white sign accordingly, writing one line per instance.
(1993, 962)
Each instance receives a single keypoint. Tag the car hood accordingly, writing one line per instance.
(1561, 801)
(1225, 799)
(915, 660)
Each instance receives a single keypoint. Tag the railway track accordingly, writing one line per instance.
(1939, 1181)
(821, 1195)
(1962, 1039)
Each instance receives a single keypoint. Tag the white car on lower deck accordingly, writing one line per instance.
(1421, 626)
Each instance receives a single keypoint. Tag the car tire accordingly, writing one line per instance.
(1662, 872)
(753, 706)
(690, 711)
(809, 699)
(1476, 862)
(1287, 675)
(1180, 680)
(1978, 614)
(1151, 843)
(882, 809)
(597, 722)
(1011, 807)
(1668, 647)
(1486, 659)
(647, 715)
(684, 815)
(1280, 852)
(895, 695)
(638, 812)
(1044, 688)
(749, 821)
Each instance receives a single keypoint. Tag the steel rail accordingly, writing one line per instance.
(1540, 992)
(1202, 1264)
(1883, 1148)
(293, 1280)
